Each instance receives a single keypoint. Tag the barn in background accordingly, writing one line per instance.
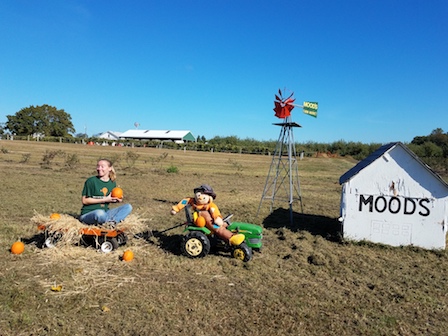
(109, 135)
(160, 135)
(392, 197)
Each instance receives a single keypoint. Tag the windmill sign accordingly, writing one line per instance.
(310, 108)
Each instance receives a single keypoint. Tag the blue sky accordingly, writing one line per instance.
(377, 68)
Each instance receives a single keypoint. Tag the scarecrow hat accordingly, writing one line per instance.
(205, 189)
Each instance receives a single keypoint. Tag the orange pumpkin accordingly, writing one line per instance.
(18, 247)
(128, 255)
(55, 216)
(117, 192)
(200, 221)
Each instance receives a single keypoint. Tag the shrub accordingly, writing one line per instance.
(71, 160)
(48, 158)
(131, 158)
(172, 169)
(25, 158)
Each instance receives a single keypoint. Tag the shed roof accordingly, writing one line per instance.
(380, 152)
(108, 134)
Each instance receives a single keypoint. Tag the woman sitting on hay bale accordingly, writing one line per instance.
(97, 195)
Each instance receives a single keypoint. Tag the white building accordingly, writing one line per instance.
(161, 135)
(392, 197)
(109, 135)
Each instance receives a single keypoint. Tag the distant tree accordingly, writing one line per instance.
(430, 149)
(200, 138)
(437, 138)
(81, 135)
(45, 119)
(228, 140)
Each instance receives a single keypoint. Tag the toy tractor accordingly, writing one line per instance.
(198, 241)
(104, 239)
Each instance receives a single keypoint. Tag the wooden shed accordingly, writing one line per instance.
(392, 197)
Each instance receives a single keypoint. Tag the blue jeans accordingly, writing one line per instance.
(100, 216)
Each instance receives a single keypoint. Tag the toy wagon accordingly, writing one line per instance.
(104, 239)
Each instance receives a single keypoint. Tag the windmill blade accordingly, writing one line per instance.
(290, 95)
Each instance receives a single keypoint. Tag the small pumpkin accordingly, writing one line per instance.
(18, 247)
(117, 192)
(55, 216)
(128, 255)
(200, 221)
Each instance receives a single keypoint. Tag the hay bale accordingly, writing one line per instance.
(78, 270)
(133, 224)
(68, 229)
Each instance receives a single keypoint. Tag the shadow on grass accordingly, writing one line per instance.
(38, 239)
(172, 244)
(329, 228)
(168, 243)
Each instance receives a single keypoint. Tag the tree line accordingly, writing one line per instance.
(47, 123)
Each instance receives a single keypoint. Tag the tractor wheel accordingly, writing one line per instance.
(195, 245)
(242, 252)
(107, 245)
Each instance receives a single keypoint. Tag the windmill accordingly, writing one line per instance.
(282, 182)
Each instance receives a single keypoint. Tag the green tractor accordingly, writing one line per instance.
(198, 241)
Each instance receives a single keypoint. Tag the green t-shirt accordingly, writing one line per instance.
(96, 188)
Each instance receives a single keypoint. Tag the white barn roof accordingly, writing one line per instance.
(110, 135)
(158, 135)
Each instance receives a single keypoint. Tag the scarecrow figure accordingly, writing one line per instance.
(206, 213)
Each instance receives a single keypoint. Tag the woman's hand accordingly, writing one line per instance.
(111, 199)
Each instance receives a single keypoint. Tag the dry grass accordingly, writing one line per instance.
(304, 282)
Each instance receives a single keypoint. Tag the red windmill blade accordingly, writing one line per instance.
(283, 106)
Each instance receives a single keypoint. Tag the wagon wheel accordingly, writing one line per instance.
(107, 245)
(122, 238)
(52, 239)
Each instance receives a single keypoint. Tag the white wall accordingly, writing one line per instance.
(396, 201)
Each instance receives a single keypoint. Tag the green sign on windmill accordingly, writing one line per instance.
(310, 108)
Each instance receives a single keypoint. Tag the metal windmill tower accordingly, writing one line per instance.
(282, 182)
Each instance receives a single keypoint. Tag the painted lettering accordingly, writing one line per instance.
(394, 200)
(424, 200)
(383, 203)
(365, 201)
(394, 205)
(310, 105)
(407, 202)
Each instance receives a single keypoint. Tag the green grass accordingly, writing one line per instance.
(304, 282)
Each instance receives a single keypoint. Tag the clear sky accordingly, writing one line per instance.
(377, 68)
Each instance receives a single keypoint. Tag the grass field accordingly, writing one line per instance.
(305, 281)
